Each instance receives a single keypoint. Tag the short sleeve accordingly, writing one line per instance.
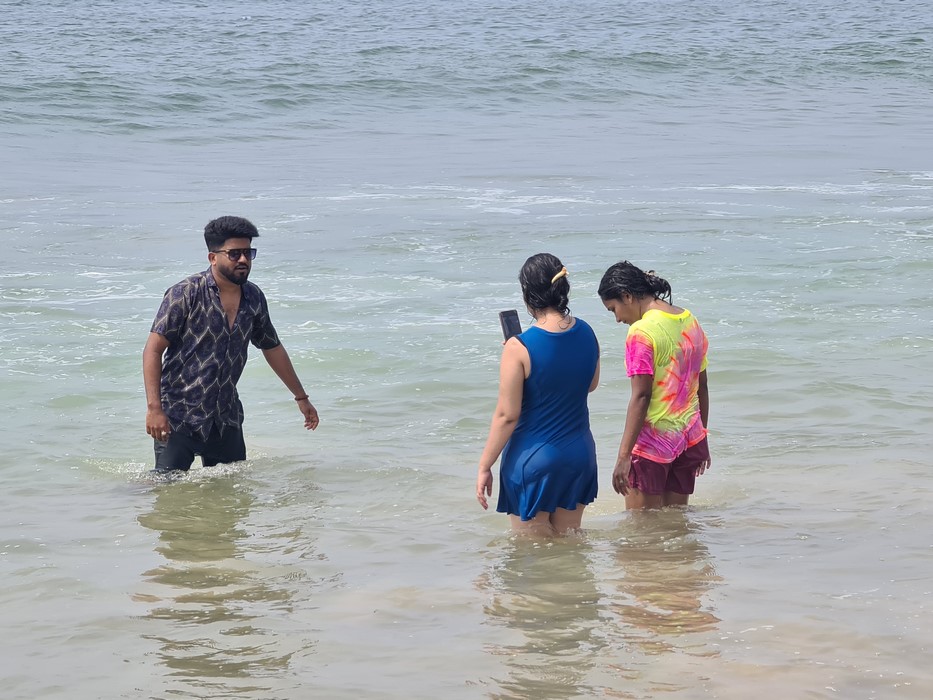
(704, 362)
(172, 314)
(639, 353)
(703, 344)
(264, 336)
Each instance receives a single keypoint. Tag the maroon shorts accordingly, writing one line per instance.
(679, 476)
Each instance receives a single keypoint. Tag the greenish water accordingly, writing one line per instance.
(402, 160)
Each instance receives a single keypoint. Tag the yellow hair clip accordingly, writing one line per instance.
(562, 273)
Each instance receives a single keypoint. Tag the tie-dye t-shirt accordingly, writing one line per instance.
(672, 348)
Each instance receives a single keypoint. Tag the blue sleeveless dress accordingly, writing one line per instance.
(550, 460)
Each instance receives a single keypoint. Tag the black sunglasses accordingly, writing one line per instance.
(236, 253)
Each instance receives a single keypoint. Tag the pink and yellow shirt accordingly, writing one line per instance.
(672, 348)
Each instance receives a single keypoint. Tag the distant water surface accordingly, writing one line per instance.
(402, 160)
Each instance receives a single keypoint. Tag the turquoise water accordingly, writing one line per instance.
(402, 160)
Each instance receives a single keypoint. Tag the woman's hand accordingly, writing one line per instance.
(620, 474)
(484, 487)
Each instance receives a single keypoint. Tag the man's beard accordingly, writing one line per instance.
(236, 276)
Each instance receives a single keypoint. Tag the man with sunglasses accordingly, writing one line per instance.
(197, 349)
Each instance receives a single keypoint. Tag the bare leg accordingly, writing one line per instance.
(538, 526)
(563, 520)
(675, 499)
(636, 500)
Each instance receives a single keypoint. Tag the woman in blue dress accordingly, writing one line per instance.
(541, 425)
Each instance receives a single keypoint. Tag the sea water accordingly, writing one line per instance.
(401, 160)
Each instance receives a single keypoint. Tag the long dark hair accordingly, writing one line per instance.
(537, 289)
(626, 278)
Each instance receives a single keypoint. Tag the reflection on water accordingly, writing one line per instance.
(588, 617)
(547, 594)
(214, 612)
(665, 570)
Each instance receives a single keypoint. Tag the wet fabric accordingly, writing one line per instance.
(672, 348)
(179, 451)
(550, 460)
(205, 356)
(678, 476)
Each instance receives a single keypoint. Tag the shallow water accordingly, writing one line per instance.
(402, 161)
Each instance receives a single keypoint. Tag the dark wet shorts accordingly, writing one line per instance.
(178, 452)
(679, 476)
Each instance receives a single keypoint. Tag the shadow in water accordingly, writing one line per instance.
(664, 571)
(220, 620)
(546, 594)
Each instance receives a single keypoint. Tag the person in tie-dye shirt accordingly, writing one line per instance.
(664, 443)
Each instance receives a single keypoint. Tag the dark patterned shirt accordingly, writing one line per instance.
(205, 356)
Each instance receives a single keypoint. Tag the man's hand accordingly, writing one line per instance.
(157, 424)
(309, 412)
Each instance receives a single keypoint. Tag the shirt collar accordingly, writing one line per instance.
(211, 282)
